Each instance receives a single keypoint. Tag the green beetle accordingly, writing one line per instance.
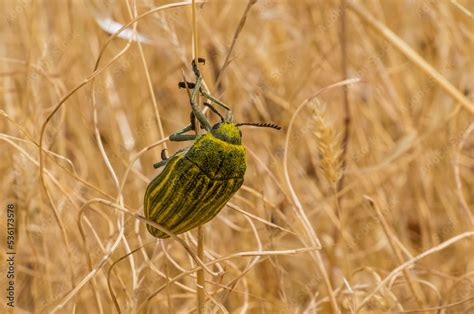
(198, 181)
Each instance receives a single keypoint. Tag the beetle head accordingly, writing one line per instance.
(227, 132)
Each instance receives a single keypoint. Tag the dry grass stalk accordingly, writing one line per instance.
(81, 109)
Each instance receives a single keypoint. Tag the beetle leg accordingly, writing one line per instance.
(195, 66)
(196, 87)
(182, 137)
(199, 115)
(192, 119)
(160, 164)
(210, 106)
(214, 99)
(179, 136)
(192, 86)
(164, 154)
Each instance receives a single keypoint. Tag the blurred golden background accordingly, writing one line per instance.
(363, 202)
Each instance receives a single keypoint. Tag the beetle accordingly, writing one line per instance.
(198, 181)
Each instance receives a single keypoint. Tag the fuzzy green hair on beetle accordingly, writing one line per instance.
(199, 180)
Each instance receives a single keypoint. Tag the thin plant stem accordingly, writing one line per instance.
(200, 273)
(200, 246)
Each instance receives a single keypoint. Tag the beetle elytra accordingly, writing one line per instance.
(198, 181)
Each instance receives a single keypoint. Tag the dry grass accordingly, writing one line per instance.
(378, 219)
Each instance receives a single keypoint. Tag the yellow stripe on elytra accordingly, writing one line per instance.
(197, 214)
(157, 212)
(165, 179)
(173, 205)
(186, 204)
(210, 211)
(157, 203)
(188, 207)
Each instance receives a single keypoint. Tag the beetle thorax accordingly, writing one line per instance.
(227, 132)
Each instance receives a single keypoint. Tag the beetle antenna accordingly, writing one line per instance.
(214, 110)
(260, 125)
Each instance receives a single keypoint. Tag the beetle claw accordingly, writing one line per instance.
(164, 154)
(199, 60)
(195, 66)
(186, 85)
